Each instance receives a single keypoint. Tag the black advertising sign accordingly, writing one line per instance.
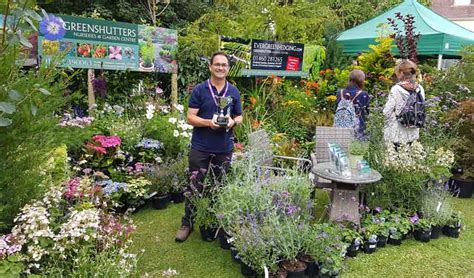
(281, 56)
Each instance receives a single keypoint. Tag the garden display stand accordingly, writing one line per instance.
(345, 194)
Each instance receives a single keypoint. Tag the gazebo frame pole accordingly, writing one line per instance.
(440, 61)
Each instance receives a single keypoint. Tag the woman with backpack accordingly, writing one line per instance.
(404, 110)
(352, 105)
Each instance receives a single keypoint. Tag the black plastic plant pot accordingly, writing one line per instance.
(223, 239)
(312, 269)
(246, 270)
(160, 201)
(235, 255)
(381, 241)
(352, 250)
(327, 275)
(296, 274)
(393, 241)
(436, 231)
(370, 247)
(208, 234)
(461, 188)
(423, 236)
(177, 197)
(452, 232)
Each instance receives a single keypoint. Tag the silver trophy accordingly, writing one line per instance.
(222, 102)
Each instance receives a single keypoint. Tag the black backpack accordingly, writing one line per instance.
(413, 112)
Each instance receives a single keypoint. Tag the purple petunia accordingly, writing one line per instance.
(414, 219)
(52, 27)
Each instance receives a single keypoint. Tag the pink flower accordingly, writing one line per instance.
(115, 52)
(98, 149)
(72, 186)
(107, 141)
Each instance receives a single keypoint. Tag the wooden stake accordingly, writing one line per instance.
(90, 89)
(174, 89)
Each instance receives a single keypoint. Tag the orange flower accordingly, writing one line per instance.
(256, 124)
(253, 100)
(322, 72)
(328, 71)
(307, 92)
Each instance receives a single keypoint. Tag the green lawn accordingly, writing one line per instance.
(444, 257)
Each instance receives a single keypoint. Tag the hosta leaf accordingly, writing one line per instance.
(7, 107)
(5, 122)
(15, 95)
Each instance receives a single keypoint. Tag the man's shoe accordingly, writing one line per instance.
(183, 233)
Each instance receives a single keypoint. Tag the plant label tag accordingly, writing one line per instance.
(439, 206)
(372, 246)
(265, 269)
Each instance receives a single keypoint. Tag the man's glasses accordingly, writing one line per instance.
(220, 65)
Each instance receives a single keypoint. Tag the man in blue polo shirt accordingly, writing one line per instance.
(211, 144)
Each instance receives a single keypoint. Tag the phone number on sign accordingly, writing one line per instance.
(269, 59)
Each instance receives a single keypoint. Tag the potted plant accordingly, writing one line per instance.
(404, 225)
(377, 225)
(252, 243)
(159, 188)
(353, 239)
(179, 178)
(395, 236)
(436, 208)
(453, 226)
(147, 53)
(422, 229)
(327, 248)
(288, 234)
(357, 150)
(462, 183)
(204, 217)
(370, 236)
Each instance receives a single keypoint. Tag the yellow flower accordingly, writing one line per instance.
(331, 98)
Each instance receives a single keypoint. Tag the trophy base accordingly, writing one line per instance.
(222, 122)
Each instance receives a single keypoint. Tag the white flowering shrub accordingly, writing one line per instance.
(416, 158)
(70, 227)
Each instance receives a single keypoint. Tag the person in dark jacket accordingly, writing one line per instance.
(360, 99)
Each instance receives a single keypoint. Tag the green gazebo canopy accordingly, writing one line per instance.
(439, 36)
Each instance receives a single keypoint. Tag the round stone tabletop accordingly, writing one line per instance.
(327, 171)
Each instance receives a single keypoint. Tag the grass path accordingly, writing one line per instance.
(444, 257)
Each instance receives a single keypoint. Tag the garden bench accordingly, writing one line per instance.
(261, 152)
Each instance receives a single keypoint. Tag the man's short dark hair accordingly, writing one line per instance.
(219, 53)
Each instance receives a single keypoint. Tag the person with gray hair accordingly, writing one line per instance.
(359, 100)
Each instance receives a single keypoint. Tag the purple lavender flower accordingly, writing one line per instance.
(52, 27)
(378, 209)
(291, 210)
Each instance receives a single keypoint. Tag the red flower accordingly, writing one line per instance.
(239, 146)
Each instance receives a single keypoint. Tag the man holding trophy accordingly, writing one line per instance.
(214, 109)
